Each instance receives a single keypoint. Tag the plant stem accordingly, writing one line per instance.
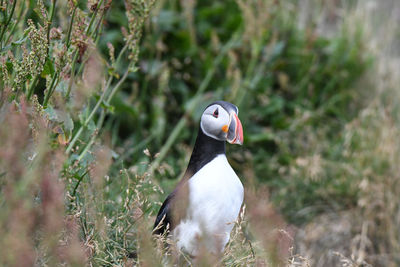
(14, 25)
(93, 138)
(95, 34)
(73, 141)
(49, 21)
(116, 87)
(32, 87)
(50, 90)
(7, 22)
(93, 17)
(77, 183)
(72, 78)
(70, 27)
(98, 29)
(136, 148)
(250, 76)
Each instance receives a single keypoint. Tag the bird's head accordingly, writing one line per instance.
(220, 121)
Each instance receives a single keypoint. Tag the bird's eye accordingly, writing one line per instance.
(215, 114)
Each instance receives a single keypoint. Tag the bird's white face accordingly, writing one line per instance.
(217, 123)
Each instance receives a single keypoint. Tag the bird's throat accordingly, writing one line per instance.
(204, 151)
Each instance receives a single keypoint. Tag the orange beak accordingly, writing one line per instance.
(235, 130)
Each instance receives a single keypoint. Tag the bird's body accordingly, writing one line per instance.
(215, 199)
(204, 206)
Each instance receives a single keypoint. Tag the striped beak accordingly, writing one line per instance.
(235, 131)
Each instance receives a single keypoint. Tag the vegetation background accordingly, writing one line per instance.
(99, 108)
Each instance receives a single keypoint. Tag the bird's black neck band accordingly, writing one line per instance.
(205, 150)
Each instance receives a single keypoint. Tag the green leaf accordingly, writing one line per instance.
(68, 123)
(114, 154)
(51, 113)
(2, 17)
(62, 87)
(91, 126)
(167, 19)
(260, 137)
(48, 68)
(107, 106)
(9, 66)
(20, 41)
(14, 44)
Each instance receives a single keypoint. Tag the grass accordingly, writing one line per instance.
(99, 101)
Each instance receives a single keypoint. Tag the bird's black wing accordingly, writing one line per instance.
(174, 207)
(164, 216)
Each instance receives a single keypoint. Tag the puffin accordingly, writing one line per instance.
(202, 209)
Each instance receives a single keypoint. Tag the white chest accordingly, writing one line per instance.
(215, 199)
